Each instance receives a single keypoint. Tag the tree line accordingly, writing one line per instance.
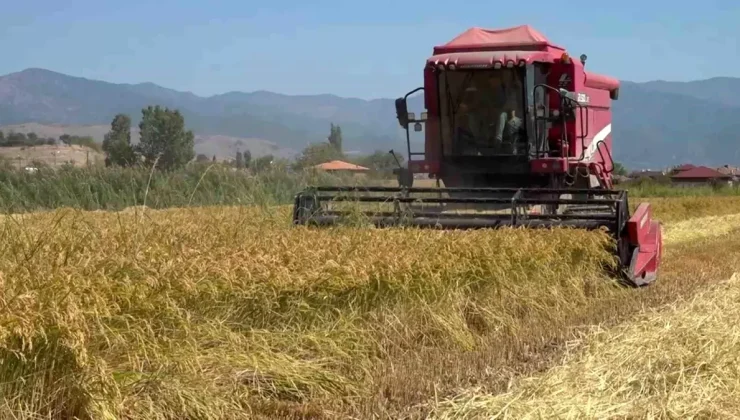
(165, 140)
(167, 144)
(13, 139)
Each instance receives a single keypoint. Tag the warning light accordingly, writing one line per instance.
(565, 58)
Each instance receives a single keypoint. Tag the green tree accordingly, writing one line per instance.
(247, 158)
(86, 141)
(163, 136)
(214, 158)
(16, 139)
(262, 163)
(335, 137)
(619, 169)
(116, 143)
(239, 160)
(318, 153)
(201, 158)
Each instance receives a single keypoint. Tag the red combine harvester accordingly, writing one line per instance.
(519, 133)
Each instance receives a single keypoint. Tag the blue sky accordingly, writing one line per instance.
(365, 49)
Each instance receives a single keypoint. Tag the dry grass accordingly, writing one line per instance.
(230, 313)
(680, 362)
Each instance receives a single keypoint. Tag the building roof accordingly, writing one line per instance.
(338, 165)
(700, 172)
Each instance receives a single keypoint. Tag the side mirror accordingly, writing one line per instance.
(614, 94)
(402, 113)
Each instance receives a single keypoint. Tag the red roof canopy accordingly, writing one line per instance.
(478, 47)
(700, 172)
(522, 37)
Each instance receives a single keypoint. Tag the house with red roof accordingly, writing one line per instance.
(700, 176)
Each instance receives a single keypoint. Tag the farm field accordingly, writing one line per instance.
(75, 155)
(229, 312)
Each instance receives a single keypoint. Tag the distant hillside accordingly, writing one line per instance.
(655, 123)
(43, 96)
(723, 90)
(654, 127)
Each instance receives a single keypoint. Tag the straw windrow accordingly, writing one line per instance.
(680, 362)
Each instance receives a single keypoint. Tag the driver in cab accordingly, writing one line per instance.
(503, 94)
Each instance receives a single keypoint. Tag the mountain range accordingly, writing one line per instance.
(656, 124)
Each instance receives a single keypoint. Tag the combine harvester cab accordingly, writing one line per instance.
(520, 135)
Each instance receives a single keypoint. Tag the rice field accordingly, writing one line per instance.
(229, 312)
